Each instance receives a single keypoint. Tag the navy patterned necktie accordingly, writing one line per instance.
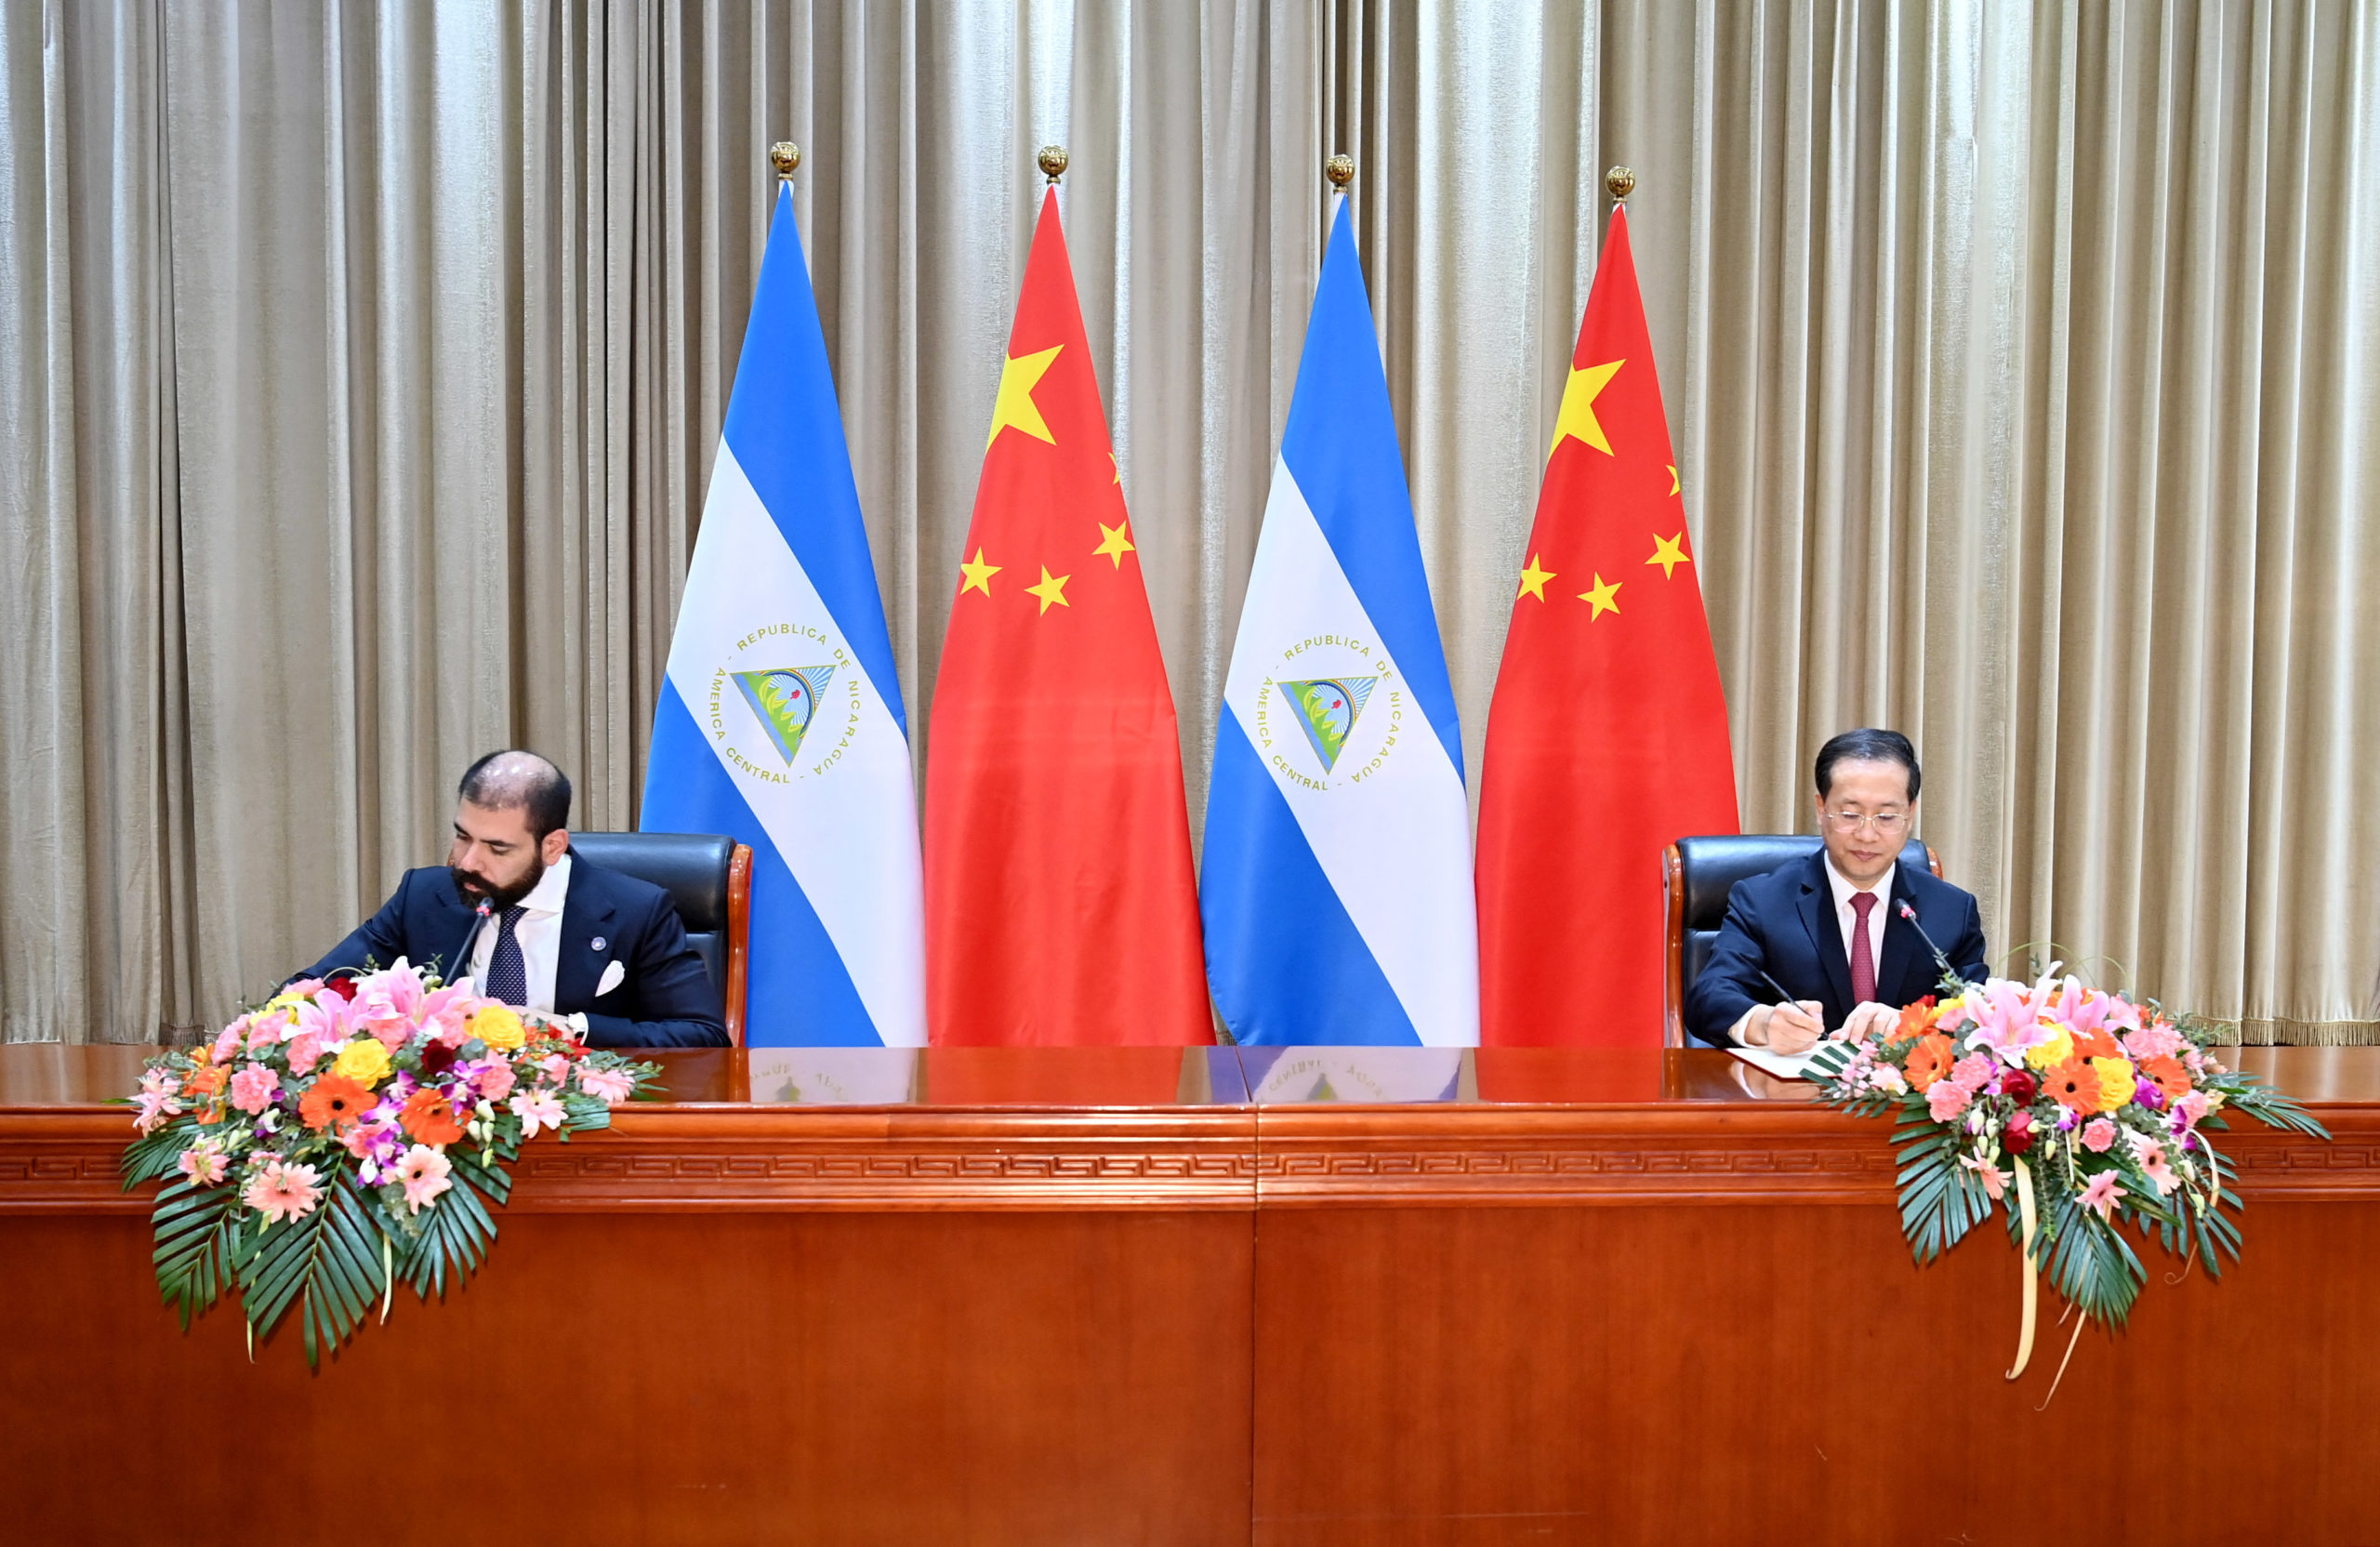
(508, 974)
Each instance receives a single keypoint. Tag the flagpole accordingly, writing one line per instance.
(1053, 161)
(786, 156)
(1621, 182)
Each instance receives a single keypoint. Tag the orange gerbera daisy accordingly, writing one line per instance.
(1930, 1061)
(2170, 1077)
(429, 1117)
(2095, 1044)
(2073, 1084)
(333, 1099)
(1917, 1018)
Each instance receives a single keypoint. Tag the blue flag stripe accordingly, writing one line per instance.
(787, 431)
(1294, 970)
(796, 990)
(1341, 445)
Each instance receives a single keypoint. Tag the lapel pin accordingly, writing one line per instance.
(596, 942)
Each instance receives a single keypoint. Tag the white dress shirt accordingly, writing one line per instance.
(1844, 915)
(538, 931)
(1844, 918)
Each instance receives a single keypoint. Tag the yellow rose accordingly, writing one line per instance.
(365, 1061)
(498, 1028)
(2057, 1051)
(284, 1001)
(2115, 1081)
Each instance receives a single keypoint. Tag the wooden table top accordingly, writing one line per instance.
(46, 1075)
(1199, 1129)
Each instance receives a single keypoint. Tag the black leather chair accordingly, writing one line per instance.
(708, 876)
(1696, 873)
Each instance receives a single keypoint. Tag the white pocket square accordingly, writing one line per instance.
(614, 975)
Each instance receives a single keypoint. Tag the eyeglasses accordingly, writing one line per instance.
(1886, 822)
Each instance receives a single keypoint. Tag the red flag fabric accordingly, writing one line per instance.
(1607, 736)
(1061, 908)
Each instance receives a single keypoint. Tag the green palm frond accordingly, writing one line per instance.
(331, 1258)
(197, 1231)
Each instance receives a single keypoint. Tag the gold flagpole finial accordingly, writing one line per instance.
(1621, 182)
(1340, 170)
(1053, 161)
(785, 156)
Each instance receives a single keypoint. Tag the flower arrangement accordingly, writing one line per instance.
(2077, 1112)
(348, 1133)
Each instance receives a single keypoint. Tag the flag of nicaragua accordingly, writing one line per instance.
(1336, 890)
(780, 721)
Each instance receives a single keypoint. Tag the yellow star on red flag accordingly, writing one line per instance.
(1051, 591)
(1113, 543)
(1669, 552)
(1577, 418)
(1533, 580)
(1604, 596)
(976, 575)
(1019, 376)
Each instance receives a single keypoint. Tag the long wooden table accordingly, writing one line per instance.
(1311, 1296)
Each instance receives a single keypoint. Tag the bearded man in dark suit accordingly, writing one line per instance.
(538, 926)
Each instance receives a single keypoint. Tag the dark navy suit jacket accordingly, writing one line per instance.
(666, 1000)
(1785, 923)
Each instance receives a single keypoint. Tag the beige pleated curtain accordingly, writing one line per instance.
(360, 366)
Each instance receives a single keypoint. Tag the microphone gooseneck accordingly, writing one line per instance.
(463, 953)
(1949, 972)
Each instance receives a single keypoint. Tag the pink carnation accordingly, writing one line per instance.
(228, 1042)
(254, 1088)
(2097, 1135)
(1946, 1099)
(265, 1030)
(492, 1079)
(1972, 1073)
(2157, 1039)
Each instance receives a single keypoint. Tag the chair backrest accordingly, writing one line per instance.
(1696, 873)
(708, 876)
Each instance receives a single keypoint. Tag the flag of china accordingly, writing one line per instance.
(1607, 736)
(1060, 903)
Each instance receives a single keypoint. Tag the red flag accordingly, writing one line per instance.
(1060, 904)
(1607, 737)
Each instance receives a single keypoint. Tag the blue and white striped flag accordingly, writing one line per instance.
(1336, 887)
(781, 720)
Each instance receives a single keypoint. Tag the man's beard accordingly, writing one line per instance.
(498, 898)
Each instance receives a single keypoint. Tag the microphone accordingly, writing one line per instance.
(1949, 974)
(479, 917)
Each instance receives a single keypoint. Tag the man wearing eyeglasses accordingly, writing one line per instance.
(1831, 930)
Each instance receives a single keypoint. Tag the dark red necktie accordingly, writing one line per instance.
(1863, 957)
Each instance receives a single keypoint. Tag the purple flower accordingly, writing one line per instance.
(2148, 1094)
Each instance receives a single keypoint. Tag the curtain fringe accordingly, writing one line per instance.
(2298, 1033)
